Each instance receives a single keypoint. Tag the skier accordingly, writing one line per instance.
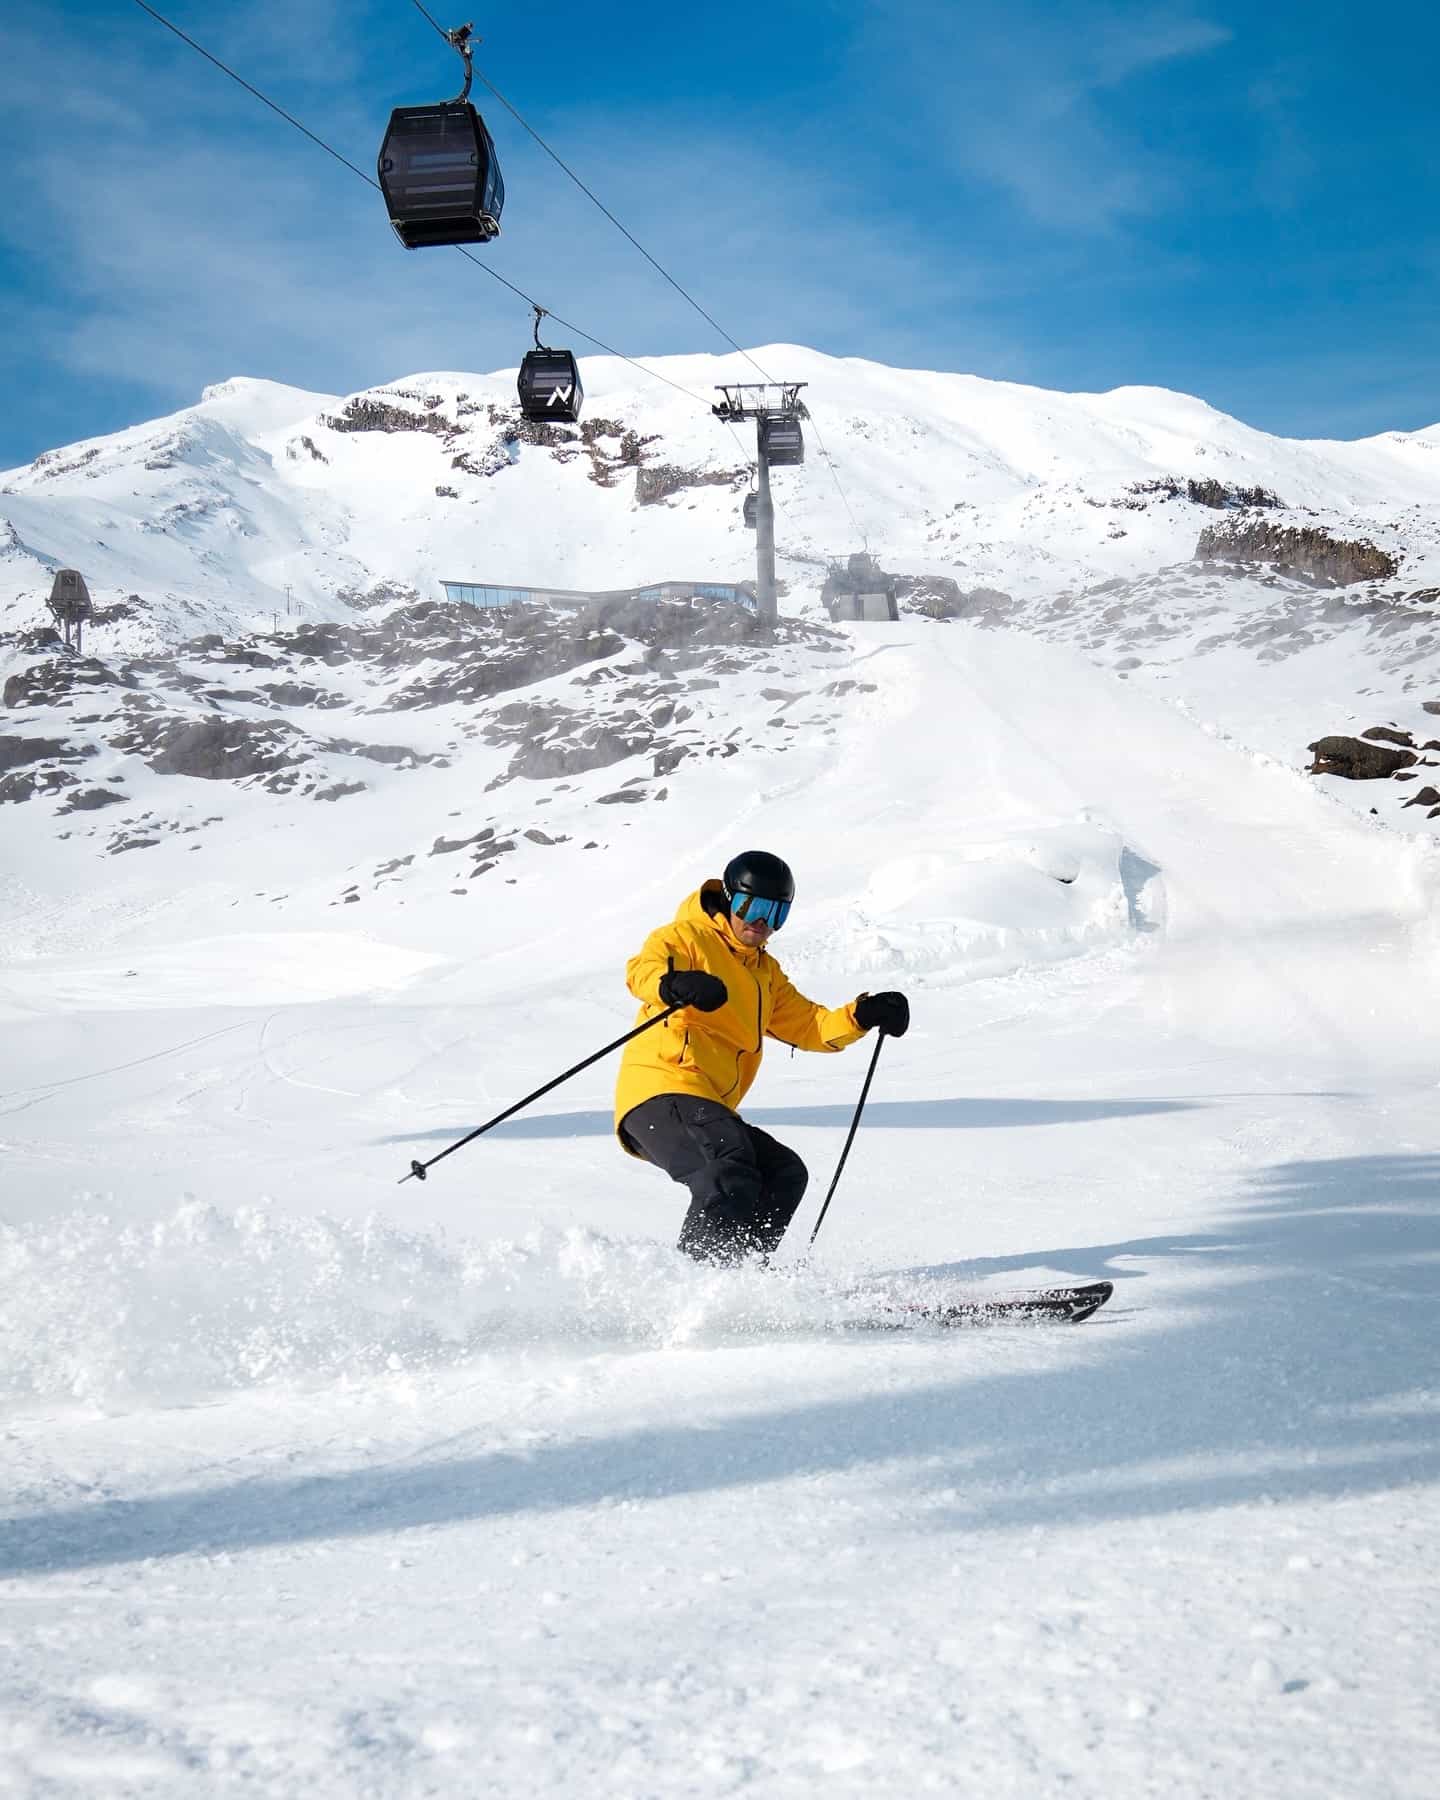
(679, 1085)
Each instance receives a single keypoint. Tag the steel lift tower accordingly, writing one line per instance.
(777, 409)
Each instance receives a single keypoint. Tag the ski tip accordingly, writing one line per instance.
(1089, 1299)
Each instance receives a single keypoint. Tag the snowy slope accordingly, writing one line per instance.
(220, 507)
(265, 508)
(323, 1482)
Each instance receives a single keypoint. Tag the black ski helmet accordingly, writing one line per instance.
(759, 873)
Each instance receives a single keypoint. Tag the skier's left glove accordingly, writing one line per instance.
(891, 1012)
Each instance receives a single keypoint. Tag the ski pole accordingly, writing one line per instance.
(418, 1169)
(854, 1126)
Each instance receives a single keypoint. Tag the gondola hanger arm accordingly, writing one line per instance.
(459, 41)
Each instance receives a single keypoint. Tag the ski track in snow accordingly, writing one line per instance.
(321, 1483)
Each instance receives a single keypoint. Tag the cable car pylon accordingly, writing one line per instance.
(777, 409)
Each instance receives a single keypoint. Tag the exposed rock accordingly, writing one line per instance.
(39, 637)
(17, 751)
(1309, 551)
(1390, 735)
(622, 797)
(48, 682)
(593, 746)
(91, 800)
(213, 748)
(1203, 492)
(300, 693)
(661, 480)
(245, 656)
(939, 597)
(1356, 759)
(380, 593)
(24, 784)
(395, 755)
(444, 846)
(667, 760)
(366, 414)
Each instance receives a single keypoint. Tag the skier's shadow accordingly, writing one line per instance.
(1234, 1391)
(965, 1114)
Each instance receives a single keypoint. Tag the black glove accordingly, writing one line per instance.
(693, 987)
(891, 1012)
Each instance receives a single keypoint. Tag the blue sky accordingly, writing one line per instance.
(1238, 201)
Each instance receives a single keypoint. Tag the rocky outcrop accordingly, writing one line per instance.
(661, 480)
(366, 413)
(1205, 491)
(1310, 551)
(214, 748)
(1357, 759)
(35, 765)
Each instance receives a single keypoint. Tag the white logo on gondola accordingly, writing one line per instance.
(561, 396)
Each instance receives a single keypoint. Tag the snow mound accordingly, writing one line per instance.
(991, 905)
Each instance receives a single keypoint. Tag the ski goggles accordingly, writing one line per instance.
(756, 911)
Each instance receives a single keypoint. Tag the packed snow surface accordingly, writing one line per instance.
(323, 1482)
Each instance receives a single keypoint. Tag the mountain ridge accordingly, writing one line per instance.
(257, 491)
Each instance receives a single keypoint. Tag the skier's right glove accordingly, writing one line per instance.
(891, 1012)
(693, 987)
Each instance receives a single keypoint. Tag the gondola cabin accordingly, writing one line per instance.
(549, 386)
(440, 176)
(782, 440)
(752, 502)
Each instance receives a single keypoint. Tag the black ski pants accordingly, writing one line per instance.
(744, 1185)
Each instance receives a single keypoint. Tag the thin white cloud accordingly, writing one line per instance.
(1027, 99)
(191, 259)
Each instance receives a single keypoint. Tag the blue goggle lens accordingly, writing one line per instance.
(751, 907)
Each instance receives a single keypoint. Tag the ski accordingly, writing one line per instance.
(1057, 1305)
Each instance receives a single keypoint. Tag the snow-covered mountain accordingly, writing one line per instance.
(267, 509)
(211, 515)
(319, 1482)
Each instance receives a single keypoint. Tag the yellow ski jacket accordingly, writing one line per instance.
(716, 1055)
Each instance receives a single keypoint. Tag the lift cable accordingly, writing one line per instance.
(354, 168)
(839, 489)
(625, 232)
(590, 195)
(659, 268)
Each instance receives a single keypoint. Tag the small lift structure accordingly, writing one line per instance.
(777, 409)
(70, 605)
(858, 589)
